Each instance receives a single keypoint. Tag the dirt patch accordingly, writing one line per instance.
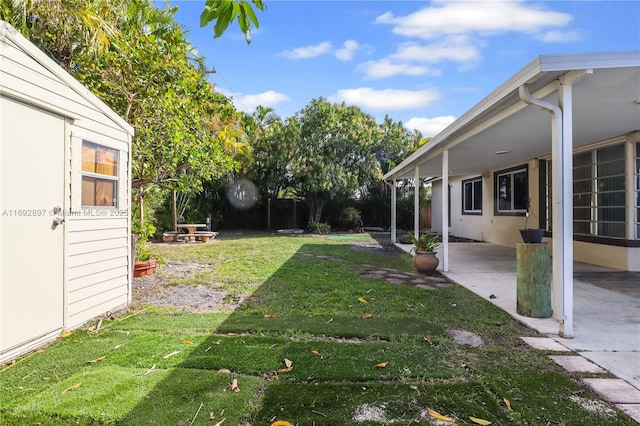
(204, 297)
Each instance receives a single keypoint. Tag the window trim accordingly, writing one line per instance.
(471, 181)
(111, 178)
(511, 170)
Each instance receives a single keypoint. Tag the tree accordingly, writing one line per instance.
(224, 12)
(332, 154)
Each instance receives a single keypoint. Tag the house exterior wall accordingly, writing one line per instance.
(504, 230)
(97, 255)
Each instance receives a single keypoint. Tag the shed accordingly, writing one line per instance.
(65, 229)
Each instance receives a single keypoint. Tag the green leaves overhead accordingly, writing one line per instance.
(224, 12)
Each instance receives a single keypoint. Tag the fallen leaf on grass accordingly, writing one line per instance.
(365, 316)
(66, 334)
(315, 352)
(187, 342)
(380, 365)
(428, 339)
(440, 417)
(284, 370)
(234, 386)
(281, 423)
(70, 388)
(224, 370)
(269, 316)
(361, 300)
(479, 421)
(220, 422)
(331, 320)
(507, 403)
(288, 363)
(100, 358)
(171, 354)
(231, 334)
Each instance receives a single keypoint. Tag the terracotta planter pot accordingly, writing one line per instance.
(148, 267)
(425, 261)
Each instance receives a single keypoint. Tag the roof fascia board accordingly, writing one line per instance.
(11, 34)
(620, 59)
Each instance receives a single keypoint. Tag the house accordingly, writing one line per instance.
(560, 137)
(65, 230)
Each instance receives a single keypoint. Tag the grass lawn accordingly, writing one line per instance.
(315, 341)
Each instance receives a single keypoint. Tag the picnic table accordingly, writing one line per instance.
(191, 227)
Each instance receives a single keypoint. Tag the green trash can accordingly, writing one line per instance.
(533, 264)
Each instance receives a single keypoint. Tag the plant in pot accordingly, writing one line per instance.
(530, 235)
(145, 263)
(424, 248)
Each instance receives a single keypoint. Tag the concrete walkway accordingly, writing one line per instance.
(606, 314)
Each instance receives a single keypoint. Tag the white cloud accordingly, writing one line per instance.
(385, 68)
(454, 48)
(386, 99)
(248, 103)
(555, 36)
(349, 48)
(429, 127)
(310, 51)
(466, 17)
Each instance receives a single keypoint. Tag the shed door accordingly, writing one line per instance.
(32, 185)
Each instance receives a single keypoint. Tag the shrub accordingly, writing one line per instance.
(319, 228)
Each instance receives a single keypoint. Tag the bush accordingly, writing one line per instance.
(319, 228)
(351, 218)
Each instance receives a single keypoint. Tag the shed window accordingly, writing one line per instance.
(99, 175)
(472, 196)
(511, 191)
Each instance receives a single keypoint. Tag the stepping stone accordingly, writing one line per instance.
(632, 410)
(616, 391)
(394, 281)
(373, 275)
(576, 364)
(417, 281)
(466, 337)
(425, 287)
(545, 344)
(436, 279)
(400, 276)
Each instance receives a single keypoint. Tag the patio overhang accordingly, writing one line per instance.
(555, 104)
(606, 104)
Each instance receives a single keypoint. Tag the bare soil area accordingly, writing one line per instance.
(205, 297)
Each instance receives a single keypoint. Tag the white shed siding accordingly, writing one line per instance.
(97, 249)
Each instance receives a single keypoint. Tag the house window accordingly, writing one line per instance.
(599, 192)
(99, 175)
(511, 191)
(472, 196)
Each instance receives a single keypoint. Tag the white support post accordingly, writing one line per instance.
(445, 211)
(563, 231)
(630, 192)
(416, 202)
(393, 212)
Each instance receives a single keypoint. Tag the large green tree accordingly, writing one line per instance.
(333, 153)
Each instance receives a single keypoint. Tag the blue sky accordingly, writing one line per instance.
(423, 63)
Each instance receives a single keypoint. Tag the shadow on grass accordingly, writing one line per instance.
(306, 312)
(362, 350)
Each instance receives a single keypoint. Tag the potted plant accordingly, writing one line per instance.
(424, 248)
(530, 235)
(144, 264)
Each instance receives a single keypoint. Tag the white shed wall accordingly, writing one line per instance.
(97, 255)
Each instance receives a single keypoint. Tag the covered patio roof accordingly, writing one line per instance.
(552, 106)
(606, 104)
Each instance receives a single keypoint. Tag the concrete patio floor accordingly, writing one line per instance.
(606, 304)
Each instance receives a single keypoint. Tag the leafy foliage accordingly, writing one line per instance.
(224, 12)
